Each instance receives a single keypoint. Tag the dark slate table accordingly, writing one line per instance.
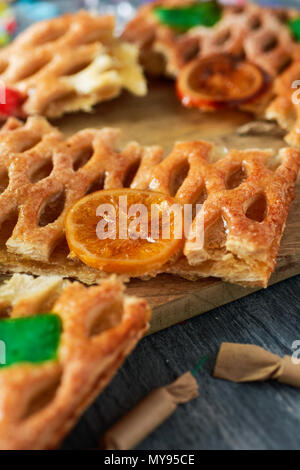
(226, 415)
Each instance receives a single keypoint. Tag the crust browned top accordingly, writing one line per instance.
(249, 191)
(285, 107)
(70, 63)
(100, 326)
(259, 34)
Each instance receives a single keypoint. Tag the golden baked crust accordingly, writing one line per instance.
(42, 176)
(249, 219)
(285, 108)
(70, 63)
(259, 34)
(39, 404)
(246, 197)
(249, 190)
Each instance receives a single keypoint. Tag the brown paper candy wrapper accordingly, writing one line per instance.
(248, 363)
(149, 414)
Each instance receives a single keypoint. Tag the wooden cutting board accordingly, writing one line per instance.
(159, 119)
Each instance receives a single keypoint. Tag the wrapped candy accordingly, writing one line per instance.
(250, 363)
(149, 414)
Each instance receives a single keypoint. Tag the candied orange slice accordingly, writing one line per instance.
(218, 81)
(125, 230)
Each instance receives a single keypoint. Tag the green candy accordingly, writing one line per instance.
(31, 339)
(294, 26)
(184, 18)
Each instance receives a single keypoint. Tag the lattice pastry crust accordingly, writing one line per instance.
(246, 196)
(259, 34)
(69, 64)
(285, 108)
(39, 404)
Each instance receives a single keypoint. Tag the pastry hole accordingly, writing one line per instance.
(5, 311)
(192, 54)
(77, 68)
(192, 51)
(257, 210)
(154, 63)
(52, 210)
(238, 10)
(236, 178)
(42, 398)
(32, 69)
(282, 16)
(4, 180)
(7, 227)
(96, 185)
(241, 56)
(178, 178)
(60, 251)
(286, 62)
(3, 65)
(29, 144)
(270, 44)
(83, 156)
(131, 173)
(215, 235)
(200, 199)
(223, 37)
(43, 172)
(255, 23)
(105, 319)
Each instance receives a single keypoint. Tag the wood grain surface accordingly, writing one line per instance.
(159, 119)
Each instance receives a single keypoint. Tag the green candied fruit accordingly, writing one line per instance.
(294, 26)
(184, 18)
(30, 339)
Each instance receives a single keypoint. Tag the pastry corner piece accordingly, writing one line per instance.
(285, 107)
(87, 333)
(244, 215)
(68, 64)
